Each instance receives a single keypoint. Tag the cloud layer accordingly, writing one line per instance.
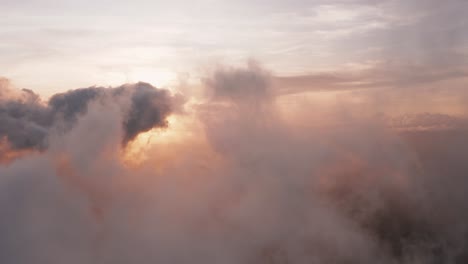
(252, 183)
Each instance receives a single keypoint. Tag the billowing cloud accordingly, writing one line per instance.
(238, 84)
(27, 121)
(250, 184)
(351, 150)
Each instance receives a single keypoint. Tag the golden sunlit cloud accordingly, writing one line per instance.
(180, 129)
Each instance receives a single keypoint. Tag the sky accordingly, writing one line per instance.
(258, 132)
(51, 46)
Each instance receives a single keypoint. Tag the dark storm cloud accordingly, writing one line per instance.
(26, 121)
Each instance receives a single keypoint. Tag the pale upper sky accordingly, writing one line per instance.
(52, 45)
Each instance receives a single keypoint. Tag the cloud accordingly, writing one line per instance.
(253, 185)
(239, 84)
(27, 121)
(375, 76)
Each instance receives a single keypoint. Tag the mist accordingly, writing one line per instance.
(253, 178)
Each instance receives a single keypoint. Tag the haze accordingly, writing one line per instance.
(233, 131)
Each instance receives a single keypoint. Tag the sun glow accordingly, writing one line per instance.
(177, 131)
(160, 78)
(157, 77)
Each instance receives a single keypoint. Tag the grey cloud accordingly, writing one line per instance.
(24, 119)
(429, 121)
(396, 75)
(150, 108)
(27, 121)
(240, 84)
